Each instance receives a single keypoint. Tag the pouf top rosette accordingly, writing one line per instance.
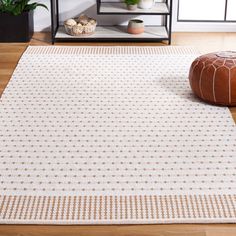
(213, 78)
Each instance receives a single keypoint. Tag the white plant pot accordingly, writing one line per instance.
(132, 7)
(146, 4)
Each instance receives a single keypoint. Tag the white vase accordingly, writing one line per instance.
(146, 4)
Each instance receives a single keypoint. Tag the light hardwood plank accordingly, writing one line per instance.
(122, 230)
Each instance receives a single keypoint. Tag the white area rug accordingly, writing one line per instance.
(113, 135)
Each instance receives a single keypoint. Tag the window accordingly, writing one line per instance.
(207, 10)
(231, 10)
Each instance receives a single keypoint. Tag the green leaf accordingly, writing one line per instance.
(17, 7)
(34, 5)
(131, 2)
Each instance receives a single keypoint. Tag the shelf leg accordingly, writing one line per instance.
(170, 21)
(52, 5)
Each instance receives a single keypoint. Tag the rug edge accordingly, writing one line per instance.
(141, 209)
(147, 50)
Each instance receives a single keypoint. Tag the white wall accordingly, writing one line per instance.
(70, 8)
(42, 17)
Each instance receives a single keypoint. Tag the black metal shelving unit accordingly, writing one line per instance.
(152, 33)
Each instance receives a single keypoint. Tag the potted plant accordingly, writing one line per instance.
(16, 20)
(131, 4)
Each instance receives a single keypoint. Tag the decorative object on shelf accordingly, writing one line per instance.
(146, 4)
(16, 20)
(213, 78)
(131, 4)
(135, 26)
(82, 25)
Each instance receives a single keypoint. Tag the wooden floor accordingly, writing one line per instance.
(129, 230)
(205, 42)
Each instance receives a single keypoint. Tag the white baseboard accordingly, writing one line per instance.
(203, 27)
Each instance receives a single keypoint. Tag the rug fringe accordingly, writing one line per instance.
(110, 50)
(116, 209)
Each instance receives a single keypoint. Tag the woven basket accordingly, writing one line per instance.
(80, 30)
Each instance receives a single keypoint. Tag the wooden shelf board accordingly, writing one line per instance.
(120, 8)
(118, 32)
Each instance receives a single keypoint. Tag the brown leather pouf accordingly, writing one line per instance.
(213, 78)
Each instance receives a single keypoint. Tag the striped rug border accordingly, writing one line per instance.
(117, 209)
(179, 50)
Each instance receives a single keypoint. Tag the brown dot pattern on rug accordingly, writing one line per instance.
(122, 129)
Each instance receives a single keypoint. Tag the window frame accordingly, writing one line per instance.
(207, 21)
